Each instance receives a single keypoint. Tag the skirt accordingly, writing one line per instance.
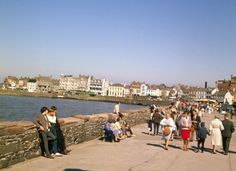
(185, 134)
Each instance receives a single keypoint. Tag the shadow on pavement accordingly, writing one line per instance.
(194, 149)
(72, 169)
(146, 133)
(175, 147)
(233, 152)
(156, 145)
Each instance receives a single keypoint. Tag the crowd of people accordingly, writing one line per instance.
(51, 136)
(117, 129)
(178, 121)
(185, 121)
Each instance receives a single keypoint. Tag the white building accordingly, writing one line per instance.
(154, 91)
(228, 98)
(32, 85)
(143, 90)
(116, 90)
(99, 86)
(201, 93)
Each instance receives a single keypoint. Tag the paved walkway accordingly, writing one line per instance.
(140, 153)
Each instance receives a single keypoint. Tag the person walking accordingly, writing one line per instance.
(201, 136)
(185, 124)
(157, 117)
(196, 120)
(227, 133)
(216, 127)
(117, 108)
(168, 126)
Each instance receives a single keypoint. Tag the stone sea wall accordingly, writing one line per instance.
(19, 141)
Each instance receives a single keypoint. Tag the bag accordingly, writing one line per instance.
(166, 131)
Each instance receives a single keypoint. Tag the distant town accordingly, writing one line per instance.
(223, 92)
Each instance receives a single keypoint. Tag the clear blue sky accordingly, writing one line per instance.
(168, 41)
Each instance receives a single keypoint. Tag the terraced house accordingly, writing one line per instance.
(116, 90)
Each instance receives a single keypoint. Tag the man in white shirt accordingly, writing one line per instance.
(117, 108)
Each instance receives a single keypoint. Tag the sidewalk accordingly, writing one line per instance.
(140, 153)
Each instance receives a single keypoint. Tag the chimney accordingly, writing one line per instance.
(205, 84)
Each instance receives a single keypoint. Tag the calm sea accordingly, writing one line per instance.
(26, 108)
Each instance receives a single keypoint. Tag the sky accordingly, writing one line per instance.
(154, 41)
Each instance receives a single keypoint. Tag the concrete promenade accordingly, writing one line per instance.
(140, 153)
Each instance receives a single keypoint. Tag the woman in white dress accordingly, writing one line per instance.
(168, 126)
(216, 127)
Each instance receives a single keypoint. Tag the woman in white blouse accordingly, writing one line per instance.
(168, 126)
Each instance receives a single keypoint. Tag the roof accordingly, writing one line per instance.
(83, 77)
(44, 78)
(12, 78)
(135, 84)
(117, 85)
(32, 81)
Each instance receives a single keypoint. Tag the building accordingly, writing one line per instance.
(10, 82)
(233, 83)
(127, 92)
(99, 86)
(201, 93)
(116, 90)
(154, 90)
(223, 85)
(69, 83)
(219, 96)
(55, 85)
(32, 85)
(135, 88)
(44, 84)
(165, 92)
(22, 83)
(229, 98)
(84, 82)
(143, 90)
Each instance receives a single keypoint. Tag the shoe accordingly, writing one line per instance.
(49, 156)
(196, 151)
(133, 135)
(214, 152)
(225, 153)
(53, 155)
(202, 151)
(58, 155)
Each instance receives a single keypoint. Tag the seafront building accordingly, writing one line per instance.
(116, 90)
(225, 90)
(99, 86)
(32, 85)
(84, 82)
(44, 84)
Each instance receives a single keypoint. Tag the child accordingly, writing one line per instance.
(202, 135)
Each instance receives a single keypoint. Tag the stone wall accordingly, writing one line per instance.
(19, 141)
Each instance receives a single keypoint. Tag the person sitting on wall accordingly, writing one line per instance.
(43, 127)
(126, 128)
(116, 131)
(108, 134)
(61, 147)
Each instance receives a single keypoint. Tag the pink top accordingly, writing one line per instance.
(185, 122)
